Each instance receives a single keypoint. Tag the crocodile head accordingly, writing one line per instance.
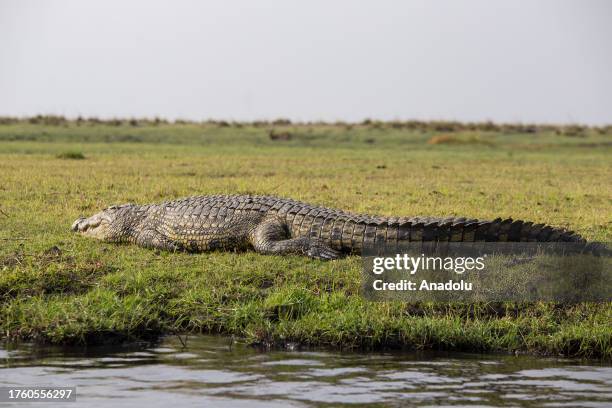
(110, 224)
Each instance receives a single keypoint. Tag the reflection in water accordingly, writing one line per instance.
(208, 372)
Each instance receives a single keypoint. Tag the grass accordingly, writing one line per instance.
(58, 287)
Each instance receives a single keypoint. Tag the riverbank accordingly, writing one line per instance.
(61, 288)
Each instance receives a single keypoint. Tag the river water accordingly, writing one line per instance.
(210, 371)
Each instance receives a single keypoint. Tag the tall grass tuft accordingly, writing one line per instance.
(71, 155)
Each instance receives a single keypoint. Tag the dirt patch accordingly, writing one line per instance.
(12, 260)
(455, 140)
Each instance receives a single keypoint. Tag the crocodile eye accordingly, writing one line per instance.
(119, 206)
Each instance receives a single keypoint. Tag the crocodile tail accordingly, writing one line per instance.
(472, 230)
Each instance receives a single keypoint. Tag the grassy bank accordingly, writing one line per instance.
(58, 287)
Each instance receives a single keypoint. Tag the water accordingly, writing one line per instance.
(211, 372)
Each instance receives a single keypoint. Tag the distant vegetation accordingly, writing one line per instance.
(423, 126)
(317, 134)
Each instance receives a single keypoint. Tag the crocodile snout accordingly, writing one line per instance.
(95, 226)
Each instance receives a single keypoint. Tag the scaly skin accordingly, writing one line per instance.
(271, 225)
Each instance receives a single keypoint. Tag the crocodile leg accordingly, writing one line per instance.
(152, 239)
(271, 237)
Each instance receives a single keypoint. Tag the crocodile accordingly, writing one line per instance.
(280, 226)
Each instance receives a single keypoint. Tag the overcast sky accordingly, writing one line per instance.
(542, 61)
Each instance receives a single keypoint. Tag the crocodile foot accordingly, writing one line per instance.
(322, 252)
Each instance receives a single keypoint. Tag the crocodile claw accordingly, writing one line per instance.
(323, 253)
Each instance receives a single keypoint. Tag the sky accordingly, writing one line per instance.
(506, 61)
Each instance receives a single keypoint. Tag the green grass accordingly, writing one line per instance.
(58, 287)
